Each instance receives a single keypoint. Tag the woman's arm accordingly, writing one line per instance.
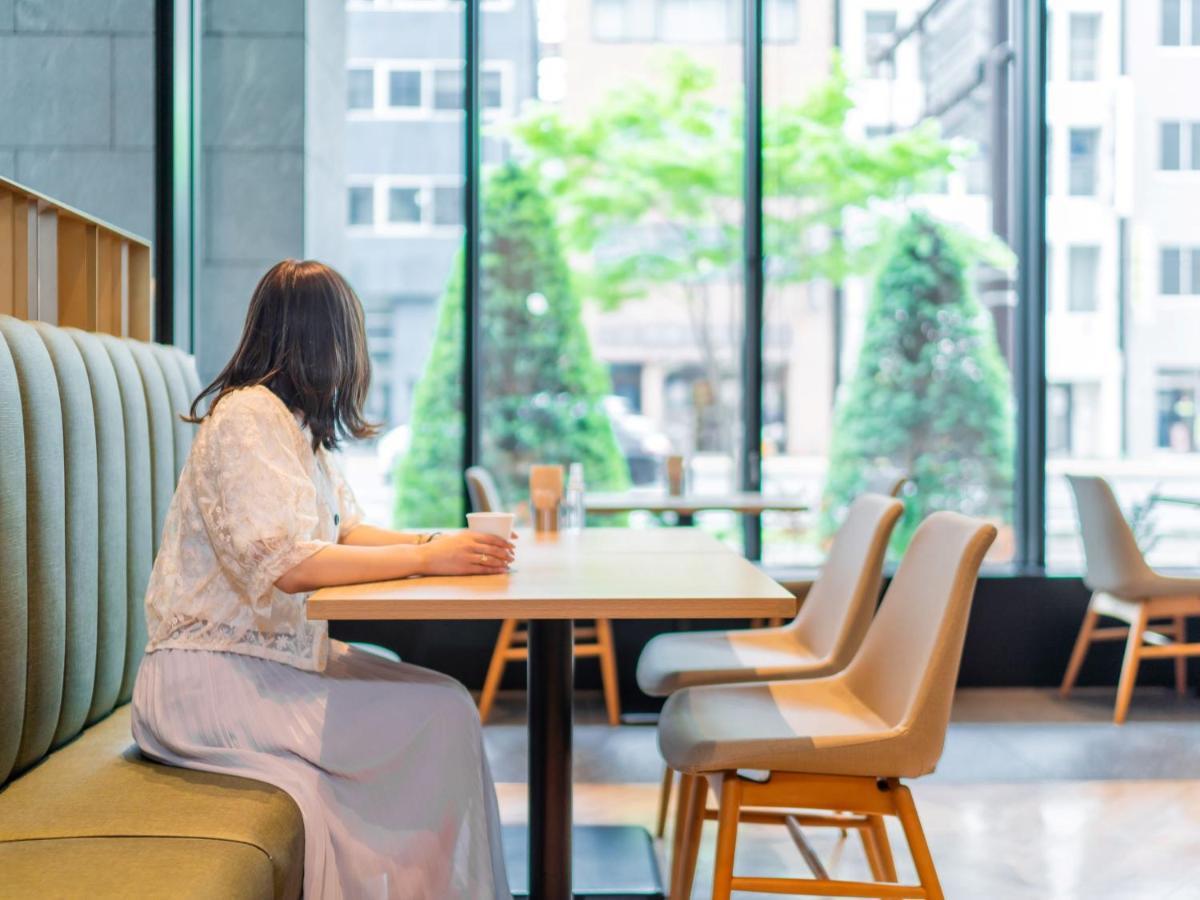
(462, 553)
(370, 536)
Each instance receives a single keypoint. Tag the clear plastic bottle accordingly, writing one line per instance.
(574, 508)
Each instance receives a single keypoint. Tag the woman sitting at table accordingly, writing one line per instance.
(385, 760)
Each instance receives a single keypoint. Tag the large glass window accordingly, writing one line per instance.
(888, 298)
(612, 245)
(1130, 363)
(408, 270)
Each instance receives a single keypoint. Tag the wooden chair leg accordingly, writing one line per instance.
(1181, 661)
(922, 860)
(878, 850)
(695, 800)
(727, 825)
(664, 801)
(495, 672)
(1082, 642)
(682, 798)
(1129, 668)
(608, 671)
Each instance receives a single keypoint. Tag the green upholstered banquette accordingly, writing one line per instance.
(90, 449)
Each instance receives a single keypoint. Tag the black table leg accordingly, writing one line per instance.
(551, 686)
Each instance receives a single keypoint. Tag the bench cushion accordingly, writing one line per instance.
(175, 868)
(99, 787)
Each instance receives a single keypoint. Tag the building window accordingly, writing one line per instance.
(1058, 419)
(447, 205)
(781, 21)
(1176, 398)
(448, 89)
(879, 28)
(624, 20)
(1179, 270)
(404, 206)
(1085, 145)
(1085, 46)
(1180, 23)
(699, 21)
(1179, 146)
(360, 88)
(404, 89)
(491, 89)
(1083, 273)
(360, 205)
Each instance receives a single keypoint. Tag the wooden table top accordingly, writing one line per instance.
(610, 573)
(751, 502)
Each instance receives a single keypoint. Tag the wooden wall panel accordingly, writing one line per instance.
(24, 263)
(109, 283)
(77, 273)
(7, 275)
(141, 301)
(62, 266)
(46, 309)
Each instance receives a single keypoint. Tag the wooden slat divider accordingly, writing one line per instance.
(77, 274)
(60, 265)
(140, 301)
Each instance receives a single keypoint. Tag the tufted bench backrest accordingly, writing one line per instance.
(91, 446)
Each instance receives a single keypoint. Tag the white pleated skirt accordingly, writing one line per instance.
(384, 759)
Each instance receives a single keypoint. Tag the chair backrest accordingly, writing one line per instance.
(888, 482)
(481, 488)
(90, 452)
(1114, 563)
(908, 663)
(839, 606)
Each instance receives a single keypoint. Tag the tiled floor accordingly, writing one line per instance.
(1034, 798)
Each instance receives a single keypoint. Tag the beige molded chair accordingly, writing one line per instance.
(838, 745)
(821, 640)
(1124, 587)
(886, 483)
(512, 644)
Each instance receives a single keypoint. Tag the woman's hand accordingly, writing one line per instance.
(466, 553)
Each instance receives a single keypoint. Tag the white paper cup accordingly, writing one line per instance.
(499, 524)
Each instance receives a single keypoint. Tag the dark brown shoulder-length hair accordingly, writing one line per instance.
(306, 340)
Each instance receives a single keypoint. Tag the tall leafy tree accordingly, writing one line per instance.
(647, 190)
(931, 396)
(543, 388)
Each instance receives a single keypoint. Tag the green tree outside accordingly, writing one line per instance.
(543, 388)
(931, 396)
(647, 192)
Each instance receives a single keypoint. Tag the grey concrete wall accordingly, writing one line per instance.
(77, 104)
(273, 94)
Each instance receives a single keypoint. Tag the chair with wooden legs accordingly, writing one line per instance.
(836, 748)
(821, 640)
(512, 644)
(886, 483)
(1154, 607)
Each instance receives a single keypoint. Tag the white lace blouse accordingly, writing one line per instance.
(253, 501)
